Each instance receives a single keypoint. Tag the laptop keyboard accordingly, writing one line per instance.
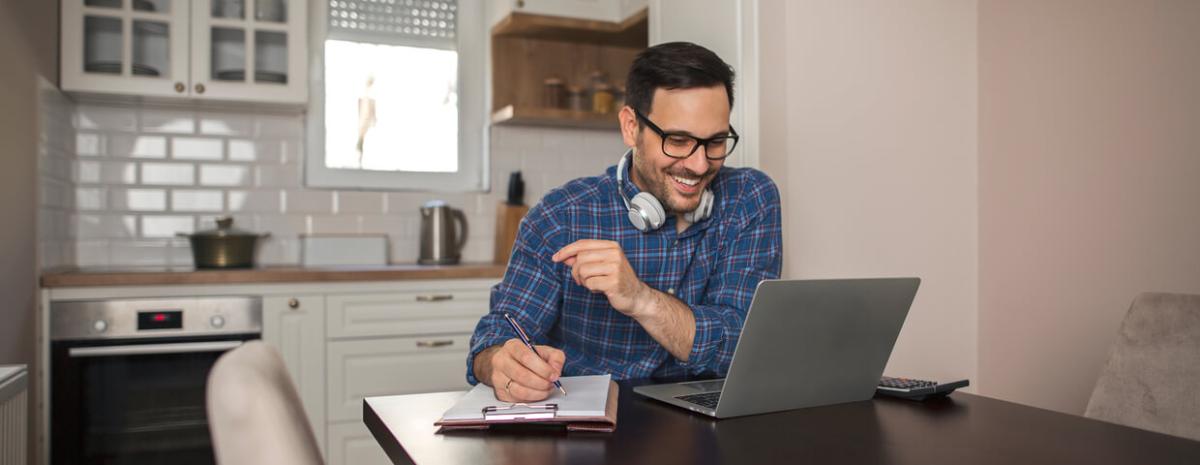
(704, 399)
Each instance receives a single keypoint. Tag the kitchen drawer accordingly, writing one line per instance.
(442, 310)
(350, 443)
(400, 365)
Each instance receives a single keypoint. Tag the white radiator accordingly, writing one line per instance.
(14, 416)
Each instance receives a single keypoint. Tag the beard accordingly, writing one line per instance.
(658, 183)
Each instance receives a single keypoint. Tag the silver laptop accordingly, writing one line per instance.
(805, 343)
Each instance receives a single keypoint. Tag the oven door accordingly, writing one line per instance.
(133, 401)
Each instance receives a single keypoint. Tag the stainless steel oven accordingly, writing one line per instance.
(127, 377)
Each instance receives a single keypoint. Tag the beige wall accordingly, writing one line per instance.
(869, 125)
(28, 49)
(1089, 183)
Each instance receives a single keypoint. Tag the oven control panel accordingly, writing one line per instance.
(105, 319)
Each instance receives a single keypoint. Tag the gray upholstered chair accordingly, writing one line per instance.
(254, 413)
(1152, 380)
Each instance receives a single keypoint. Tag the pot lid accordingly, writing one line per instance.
(224, 229)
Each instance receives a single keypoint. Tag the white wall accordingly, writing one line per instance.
(876, 148)
(1089, 181)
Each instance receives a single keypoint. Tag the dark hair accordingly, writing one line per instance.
(674, 65)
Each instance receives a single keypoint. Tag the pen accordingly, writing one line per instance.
(525, 338)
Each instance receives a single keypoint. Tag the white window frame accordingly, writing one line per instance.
(472, 116)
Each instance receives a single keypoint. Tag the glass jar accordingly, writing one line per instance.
(602, 98)
(576, 100)
(554, 92)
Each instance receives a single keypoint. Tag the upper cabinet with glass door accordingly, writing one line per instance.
(131, 47)
(220, 50)
(249, 50)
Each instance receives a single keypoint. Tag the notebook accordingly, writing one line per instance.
(591, 405)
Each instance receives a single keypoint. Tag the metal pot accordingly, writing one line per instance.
(224, 247)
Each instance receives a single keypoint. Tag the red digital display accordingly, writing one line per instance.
(160, 319)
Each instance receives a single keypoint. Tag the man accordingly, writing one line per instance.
(614, 286)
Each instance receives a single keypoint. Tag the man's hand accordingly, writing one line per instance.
(516, 373)
(601, 266)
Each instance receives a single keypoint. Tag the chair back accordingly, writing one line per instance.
(254, 413)
(1152, 379)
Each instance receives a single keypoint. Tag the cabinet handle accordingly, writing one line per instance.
(293, 303)
(199, 88)
(435, 297)
(179, 87)
(437, 343)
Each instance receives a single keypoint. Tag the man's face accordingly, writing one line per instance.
(701, 112)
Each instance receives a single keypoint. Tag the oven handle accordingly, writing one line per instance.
(154, 349)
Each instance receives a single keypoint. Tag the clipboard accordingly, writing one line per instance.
(594, 408)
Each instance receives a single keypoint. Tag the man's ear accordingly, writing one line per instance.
(629, 126)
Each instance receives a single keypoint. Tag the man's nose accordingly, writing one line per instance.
(698, 163)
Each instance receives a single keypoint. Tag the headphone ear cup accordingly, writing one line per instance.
(703, 210)
(646, 213)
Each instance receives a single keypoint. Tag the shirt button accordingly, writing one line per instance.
(671, 291)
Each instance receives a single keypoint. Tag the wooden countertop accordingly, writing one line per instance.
(133, 276)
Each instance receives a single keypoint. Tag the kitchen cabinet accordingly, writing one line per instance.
(596, 10)
(295, 326)
(351, 443)
(203, 50)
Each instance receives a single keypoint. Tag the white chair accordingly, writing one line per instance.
(1153, 372)
(254, 412)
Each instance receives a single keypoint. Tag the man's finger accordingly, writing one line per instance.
(518, 392)
(534, 364)
(580, 245)
(595, 269)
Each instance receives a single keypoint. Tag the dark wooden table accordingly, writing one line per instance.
(963, 429)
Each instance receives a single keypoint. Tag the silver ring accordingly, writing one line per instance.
(506, 385)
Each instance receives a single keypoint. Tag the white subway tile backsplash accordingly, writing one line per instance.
(281, 225)
(195, 148)
(89, 144)
(137, 146)
(99, 226)
(302, 201)
(174, 174)
(168, 121)
(278, 176)
(105, 172)
(264, 201)
(167, 226)
(89, 198)
(120, 206)
(91, 253)
(226, 124)
(140, 200)
(359, 202)
(333, 224)
(187, 200)
(225, 175)
(140, 252)
(105, 118)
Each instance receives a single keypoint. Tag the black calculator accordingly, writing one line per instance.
(916, 389)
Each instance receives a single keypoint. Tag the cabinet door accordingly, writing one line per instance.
(131, 47)
(295, 326)
(250, 50)
(351, 443)
(402, 365)
(450, 307)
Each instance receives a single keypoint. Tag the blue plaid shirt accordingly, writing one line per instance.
(713, 266)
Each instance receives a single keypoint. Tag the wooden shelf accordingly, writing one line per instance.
(554, 117)
(632, 32)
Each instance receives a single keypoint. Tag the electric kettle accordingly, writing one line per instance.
(441, 240)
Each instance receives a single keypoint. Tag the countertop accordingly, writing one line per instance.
(135, 276)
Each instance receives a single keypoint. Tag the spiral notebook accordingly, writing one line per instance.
(590, 405)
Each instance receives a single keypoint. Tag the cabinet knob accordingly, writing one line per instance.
(437, 343)
(199, 88)
(293, 303)
(434, 297)
(179, 87)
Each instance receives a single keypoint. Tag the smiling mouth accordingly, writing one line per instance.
(686, 184)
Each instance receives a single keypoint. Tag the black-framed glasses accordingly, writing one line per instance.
(679, 145)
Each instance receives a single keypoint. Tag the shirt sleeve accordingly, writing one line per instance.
(755, 254)
(529, 292)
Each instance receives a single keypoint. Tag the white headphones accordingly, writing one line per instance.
(645, 211)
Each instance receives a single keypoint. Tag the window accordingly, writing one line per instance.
(398, 102)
